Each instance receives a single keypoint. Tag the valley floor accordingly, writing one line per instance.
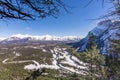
(59, 60)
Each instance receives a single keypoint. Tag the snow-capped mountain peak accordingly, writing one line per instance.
(2, 38)
(102, 33)
(45, 37)
(21, 36)
(27, 37)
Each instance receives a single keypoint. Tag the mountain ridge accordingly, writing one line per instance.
(19, 38)
(104, 31)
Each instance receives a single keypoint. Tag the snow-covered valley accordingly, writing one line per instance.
(61, 60)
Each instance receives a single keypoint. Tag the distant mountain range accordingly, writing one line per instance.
(105, 31)
(19, 38)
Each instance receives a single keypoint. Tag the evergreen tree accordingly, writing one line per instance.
(95, 60)
(113, 59)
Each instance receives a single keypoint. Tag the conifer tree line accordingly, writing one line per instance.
(108, 64)
(102, 67)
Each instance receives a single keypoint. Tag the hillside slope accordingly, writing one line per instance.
(103, 32)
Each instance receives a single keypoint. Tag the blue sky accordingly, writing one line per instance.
(76, 23)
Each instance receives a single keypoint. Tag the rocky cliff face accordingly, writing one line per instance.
(104, 31)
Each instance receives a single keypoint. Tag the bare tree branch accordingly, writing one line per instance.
(115, 13)
(30, 9)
